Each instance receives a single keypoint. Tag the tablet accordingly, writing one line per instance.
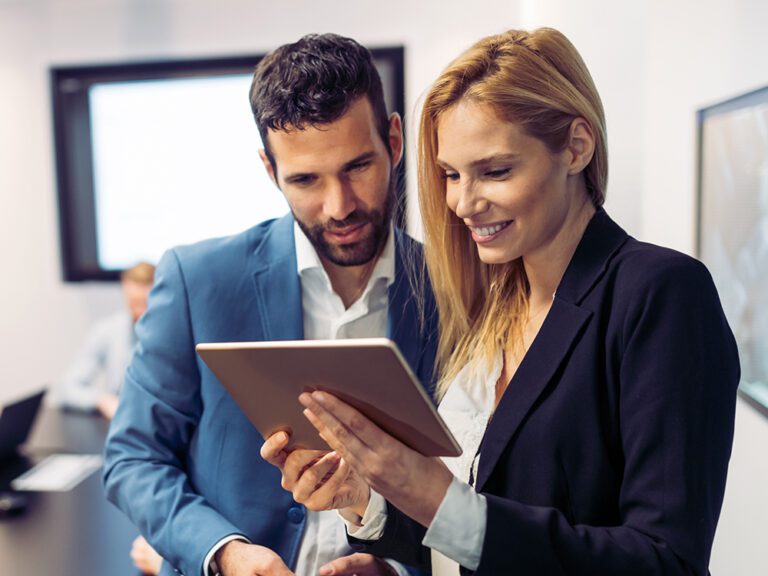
(266, 378)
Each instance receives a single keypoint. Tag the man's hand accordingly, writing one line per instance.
(358, 564)
(320, 480)
(238, 558)
(107, 405)
(145, 558)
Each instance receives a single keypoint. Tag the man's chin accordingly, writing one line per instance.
(356, 254)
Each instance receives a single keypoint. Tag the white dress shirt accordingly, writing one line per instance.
(325, 317)
(457, 531)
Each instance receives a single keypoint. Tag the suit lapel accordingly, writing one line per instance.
(402, 315)
(276, 280)
(556, 338)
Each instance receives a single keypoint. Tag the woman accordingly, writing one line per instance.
(590, 378)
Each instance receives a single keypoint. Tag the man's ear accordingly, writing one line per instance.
(581, 145)
(268, 166)
(396, 138)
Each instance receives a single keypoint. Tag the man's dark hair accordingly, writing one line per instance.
(313, 82)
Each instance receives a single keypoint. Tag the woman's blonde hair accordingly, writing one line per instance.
(538, 81)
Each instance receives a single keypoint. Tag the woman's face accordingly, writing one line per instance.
(510, 190)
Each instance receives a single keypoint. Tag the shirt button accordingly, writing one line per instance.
(295, 515)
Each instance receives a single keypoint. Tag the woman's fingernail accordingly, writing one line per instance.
(326, 571)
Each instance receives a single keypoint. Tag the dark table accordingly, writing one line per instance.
(75, 533)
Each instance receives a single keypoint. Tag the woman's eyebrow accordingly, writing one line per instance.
(481, 162)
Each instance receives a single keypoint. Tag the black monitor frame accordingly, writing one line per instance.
(73, 146)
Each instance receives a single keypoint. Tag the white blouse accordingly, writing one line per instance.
(466, 407)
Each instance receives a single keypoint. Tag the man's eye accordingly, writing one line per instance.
(302, 180)
(359, 166)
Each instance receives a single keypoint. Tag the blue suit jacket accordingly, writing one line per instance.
(182, 461)
(608, 452)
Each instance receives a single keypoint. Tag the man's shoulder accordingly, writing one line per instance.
(234, 247)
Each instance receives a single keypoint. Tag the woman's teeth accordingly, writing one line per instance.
(488, 230)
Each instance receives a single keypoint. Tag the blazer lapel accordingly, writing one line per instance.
(276, 280)
(557, 336)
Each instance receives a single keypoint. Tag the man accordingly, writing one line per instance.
(94, 379)
(182, 460)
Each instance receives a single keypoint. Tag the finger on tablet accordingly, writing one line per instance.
(297, 463)
(273, 449)
(316, 476)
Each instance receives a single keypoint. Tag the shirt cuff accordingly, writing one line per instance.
(371, 525)
(209, 567)
(458, 528)
(397, 567)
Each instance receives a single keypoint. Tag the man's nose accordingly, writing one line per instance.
(340, 200)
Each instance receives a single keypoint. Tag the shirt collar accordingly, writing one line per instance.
(307, 258)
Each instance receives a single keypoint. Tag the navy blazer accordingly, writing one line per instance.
(608, 452)
(182, 460)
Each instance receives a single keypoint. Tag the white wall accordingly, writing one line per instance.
(654, 63)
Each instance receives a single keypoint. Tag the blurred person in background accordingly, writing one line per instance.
(93, 380)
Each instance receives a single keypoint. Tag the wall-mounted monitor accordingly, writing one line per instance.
(154, 154)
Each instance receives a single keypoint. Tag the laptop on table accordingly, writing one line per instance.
(16, 421)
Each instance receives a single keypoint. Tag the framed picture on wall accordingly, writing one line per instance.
(732, 231)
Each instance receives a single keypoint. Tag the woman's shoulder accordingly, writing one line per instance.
(644, 264)
(650, 260)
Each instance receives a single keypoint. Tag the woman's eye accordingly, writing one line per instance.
(452, 176)
(498, 173)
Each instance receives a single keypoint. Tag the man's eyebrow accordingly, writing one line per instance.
(364, 157)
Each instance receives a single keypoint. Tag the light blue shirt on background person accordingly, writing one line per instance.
(99, 367)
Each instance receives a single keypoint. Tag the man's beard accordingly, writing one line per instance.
(354, 253)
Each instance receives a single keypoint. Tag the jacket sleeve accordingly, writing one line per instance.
(401, 541)
(150, 437)
(678, 373)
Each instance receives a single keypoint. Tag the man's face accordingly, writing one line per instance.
(337, 179)
(136, 296)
